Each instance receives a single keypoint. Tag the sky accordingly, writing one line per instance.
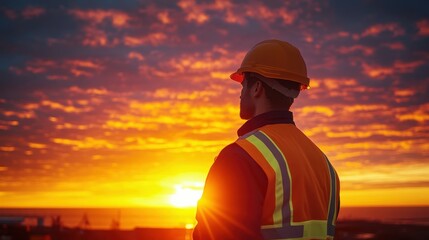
(127, 103)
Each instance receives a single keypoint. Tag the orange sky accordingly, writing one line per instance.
(128, 104)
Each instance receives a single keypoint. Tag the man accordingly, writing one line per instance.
(273, 182)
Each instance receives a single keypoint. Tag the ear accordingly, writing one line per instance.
(258, 89)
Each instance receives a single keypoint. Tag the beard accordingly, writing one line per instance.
(247, 109)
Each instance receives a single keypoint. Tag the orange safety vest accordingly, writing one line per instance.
(302, 197)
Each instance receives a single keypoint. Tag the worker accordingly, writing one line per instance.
(273, 182)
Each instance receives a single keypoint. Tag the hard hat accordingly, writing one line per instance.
(274, 59)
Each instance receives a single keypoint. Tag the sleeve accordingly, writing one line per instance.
(233, 197)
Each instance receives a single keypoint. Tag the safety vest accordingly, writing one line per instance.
(302, 197)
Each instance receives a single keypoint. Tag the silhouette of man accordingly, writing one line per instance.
(273, 182)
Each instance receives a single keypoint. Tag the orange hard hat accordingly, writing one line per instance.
(274, 59)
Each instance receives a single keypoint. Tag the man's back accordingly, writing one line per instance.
(272, 183)
(302, 197)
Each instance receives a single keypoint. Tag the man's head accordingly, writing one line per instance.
(258, 96)
(272, 74)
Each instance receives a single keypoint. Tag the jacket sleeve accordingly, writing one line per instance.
(232, 201)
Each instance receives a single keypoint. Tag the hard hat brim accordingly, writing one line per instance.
(237, 76)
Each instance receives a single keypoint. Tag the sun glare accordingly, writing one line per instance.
(186, 195)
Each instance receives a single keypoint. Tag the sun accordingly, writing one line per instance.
(186, 195)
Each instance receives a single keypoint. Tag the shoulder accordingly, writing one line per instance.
(235, 154)
(233, 150)
(233, 171)
(234, 159)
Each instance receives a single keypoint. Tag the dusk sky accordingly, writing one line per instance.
(127, 103)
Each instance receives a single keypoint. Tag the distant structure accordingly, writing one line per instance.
(116, 222)
(84, 222)
(56, 222)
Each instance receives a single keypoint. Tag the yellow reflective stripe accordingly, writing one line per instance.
(314, 228)
(289, 178)
(268, 155)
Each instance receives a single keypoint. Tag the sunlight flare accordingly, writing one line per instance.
(186, 195)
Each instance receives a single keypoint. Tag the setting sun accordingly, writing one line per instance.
(186, 195)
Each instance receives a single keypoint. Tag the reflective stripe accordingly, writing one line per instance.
(332, 212)
(283, 213)
(279, 186)
(314, 229)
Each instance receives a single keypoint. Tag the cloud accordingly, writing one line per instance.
(7, 148)
(183, 145)
(40, 66)
(421, 114)
(317, 109)
(234, 13)
(180, 114)
(20, 114)
(235, 18)
(117, 18)
(65, 108)
(57, 77)
(95, 33)
(86, 143)
(423, 27)
(136, 55)
(61, 70)
(382, 179)
(367, 51)
(202, 62)
(394, 28)
(32, 12)
(5, 125)
(395, 45)
(194, 12)
(165, 93)
(72, 126)
(37, 145)
(95, 37)
(404, 95)
(89, 91)
(399, 67)
(164, 17)
(368, 107)
(82, 67)
(153, 39)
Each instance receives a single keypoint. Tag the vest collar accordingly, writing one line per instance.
(273, 117)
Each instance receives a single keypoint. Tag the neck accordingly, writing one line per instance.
(263, 107)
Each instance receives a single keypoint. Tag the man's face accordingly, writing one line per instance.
(247, 107)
